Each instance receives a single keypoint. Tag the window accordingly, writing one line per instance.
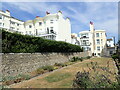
(29, 32)
(11, 27)
(0, 24)
(85, 42)
(47, 30)
(36, 32)
(97, 34)
(111, 52)
(51, 28)
(99, 54)
(101, 34)
(84, 35)
(51, 21)
(30, 26)
(40, 23)
(101, 41)
(98, 48)
(0, 16)
(102, 47)
(12, 22)
(98, 41)
(17, 24)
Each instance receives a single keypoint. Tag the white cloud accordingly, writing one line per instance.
(35, 7)
(104, 15)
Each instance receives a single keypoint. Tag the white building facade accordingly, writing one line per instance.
(75, 39)
(111, 42)
(52, 26)
(94, 41)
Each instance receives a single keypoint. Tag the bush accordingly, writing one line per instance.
(81, 80)
(10, 78)
(115, 56)
(49, 68)
(40, 71)
(74, 59)
(59, 64)
(88, 57)
(17, 43)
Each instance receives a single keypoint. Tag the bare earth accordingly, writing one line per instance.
(63, 78)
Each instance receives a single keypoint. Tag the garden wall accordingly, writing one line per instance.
(21, 63)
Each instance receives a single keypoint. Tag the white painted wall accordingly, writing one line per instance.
(61, 26)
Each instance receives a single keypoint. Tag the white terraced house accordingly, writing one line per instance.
(51, 26)
(94, 41)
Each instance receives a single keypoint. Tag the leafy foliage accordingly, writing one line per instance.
(115, 56)
(49, 68)
(99, 80)
(74, 59)
(17, 43)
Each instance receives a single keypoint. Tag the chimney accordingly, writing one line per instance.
(47, 13)
(37, 16)
(60, 11)
(7, 12)
(91, 26)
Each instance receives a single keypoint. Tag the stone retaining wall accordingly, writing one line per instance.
(21, 63)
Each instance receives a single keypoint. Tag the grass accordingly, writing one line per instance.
(63, 78)
(57, 78)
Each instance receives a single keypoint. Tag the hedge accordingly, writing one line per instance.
(17, 43)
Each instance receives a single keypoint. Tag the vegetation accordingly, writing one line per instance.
(115, 56)
(56, 78)
(17, 43)
(99, 80)
(10, 79)
(84, 80)
(7, 80)
(63, 78)
(49, 68)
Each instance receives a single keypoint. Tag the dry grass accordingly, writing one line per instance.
(63, 78)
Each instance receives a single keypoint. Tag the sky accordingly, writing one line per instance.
(104, 15)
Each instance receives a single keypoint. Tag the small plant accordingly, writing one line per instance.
(115, 56)
(81, 80)
(59, 64)
(49, 68)
(40, 71)
(15, 79)
(74, 59)
(88, 57)
(81, 59)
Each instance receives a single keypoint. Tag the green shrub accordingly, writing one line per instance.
(88, 57)
(115, 56)
(59, 64)
(40, 71)
(17, 43)
(74, 59)
(49, 68)
(9, 78)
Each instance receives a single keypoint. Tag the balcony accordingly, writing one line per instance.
(50, 36)
(84, 37)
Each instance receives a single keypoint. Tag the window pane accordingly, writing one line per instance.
(40, 23)
(98, 48)
(97, 34)
(98, 41)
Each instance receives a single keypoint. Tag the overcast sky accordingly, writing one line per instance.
(104, 15)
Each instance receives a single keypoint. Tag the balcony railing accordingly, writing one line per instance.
(50, 36)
